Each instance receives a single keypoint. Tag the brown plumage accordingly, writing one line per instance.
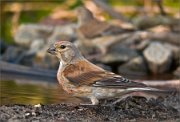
(81, 78)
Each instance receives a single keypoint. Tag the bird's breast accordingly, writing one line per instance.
(78, 91)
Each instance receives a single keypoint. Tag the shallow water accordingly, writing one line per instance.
(17, 92)
(26, 90)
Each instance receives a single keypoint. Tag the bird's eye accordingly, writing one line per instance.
(62, 46)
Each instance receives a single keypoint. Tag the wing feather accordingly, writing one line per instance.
(85, 73)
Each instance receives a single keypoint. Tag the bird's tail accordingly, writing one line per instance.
(150, 92)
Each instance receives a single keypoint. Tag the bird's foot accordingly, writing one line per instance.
(118, 100)
(86, 104)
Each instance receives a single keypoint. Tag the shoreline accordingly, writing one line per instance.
(132, 108)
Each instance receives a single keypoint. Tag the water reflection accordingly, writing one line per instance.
(30, 93)
(26, 90)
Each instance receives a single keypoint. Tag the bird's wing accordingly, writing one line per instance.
(117, 82)
(85, 73)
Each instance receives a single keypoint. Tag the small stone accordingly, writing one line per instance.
(27, 114)
(158, 57)
(37, 106)
(33, 114)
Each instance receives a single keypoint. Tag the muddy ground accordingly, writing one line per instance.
(131, 109)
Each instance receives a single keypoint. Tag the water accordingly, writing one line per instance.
(29, 91)
(20, 92)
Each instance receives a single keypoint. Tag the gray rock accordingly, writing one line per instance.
(175, 51)
(144, 22)
(36, 46)
(3, 46)
(27, 33)
(13, 54)
(119, 54)
(136, 66)
(64, 32)
(177, 72)
(87, 49)
(158, 57)
(46, 62)
(106, 67)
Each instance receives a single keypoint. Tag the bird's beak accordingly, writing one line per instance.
(52, 50)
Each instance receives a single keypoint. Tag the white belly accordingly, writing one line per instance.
(102, 93)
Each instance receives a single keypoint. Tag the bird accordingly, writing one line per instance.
(91, 30)
(89, 27)
(83, 79)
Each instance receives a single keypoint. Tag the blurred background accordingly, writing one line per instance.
(138, 39)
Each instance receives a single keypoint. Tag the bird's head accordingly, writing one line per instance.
(65, 51)
(84, 15)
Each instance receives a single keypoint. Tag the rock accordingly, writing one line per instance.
(140, 46)
(87, 48)
(160, 28)
(177, 72)
(46, 62)
(27, 33)
(144, 22)
(64, 32)
(13, 54)
(175, 51)
(158, 57)
(106, 43)
(175, 26)
(118, 53)
(3, 47)
(106, 67)
(135, 66)
(36, 46)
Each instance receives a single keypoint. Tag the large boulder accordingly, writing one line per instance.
(158, 57)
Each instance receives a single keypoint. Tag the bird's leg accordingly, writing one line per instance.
(139, 94)
(120, 99)
(94, 101)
